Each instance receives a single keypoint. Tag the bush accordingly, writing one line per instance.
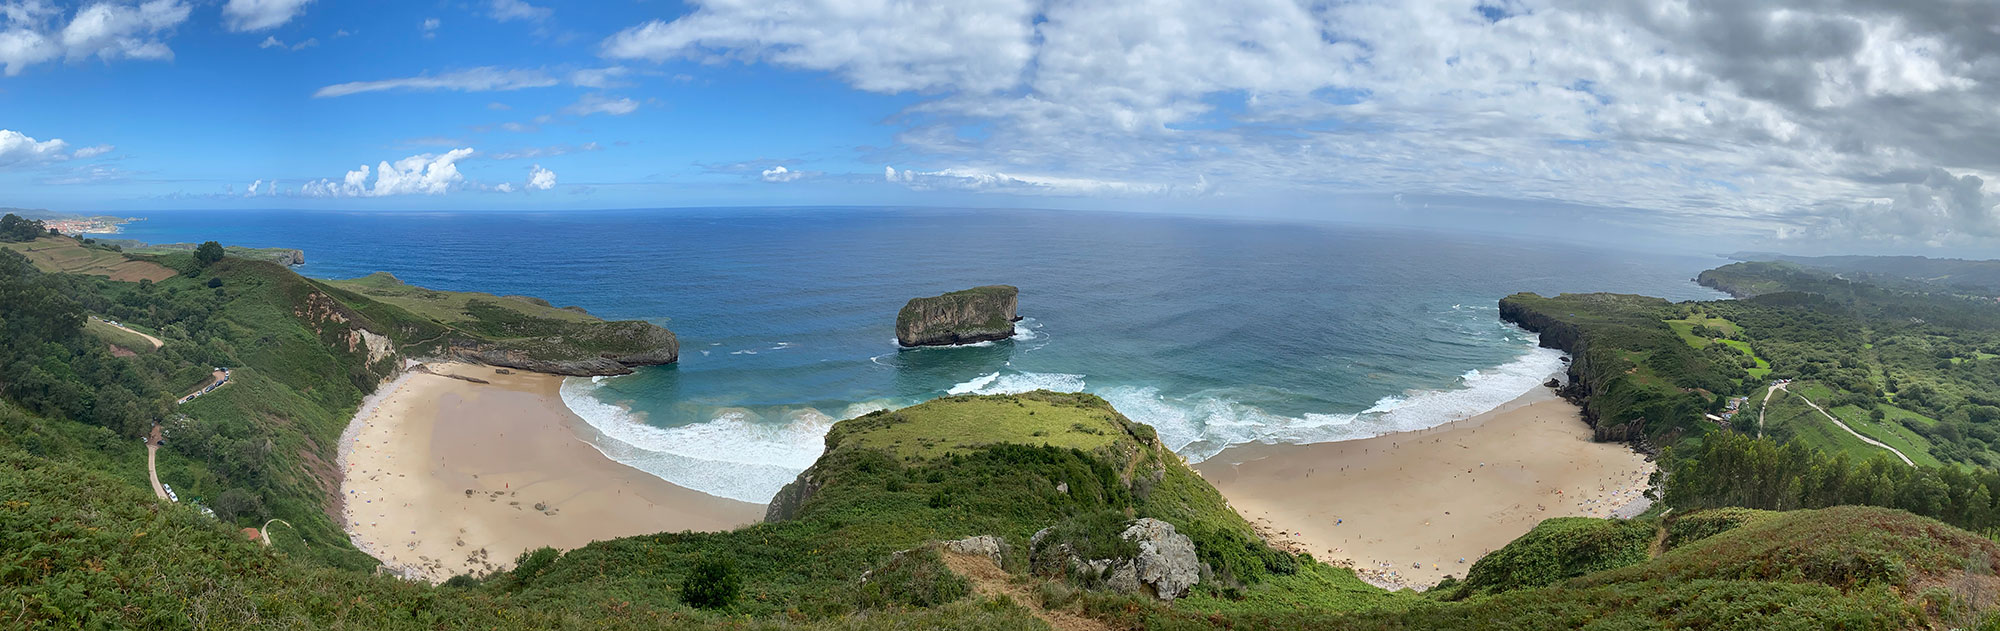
(713, 584)
(917, 578)
(533, 562)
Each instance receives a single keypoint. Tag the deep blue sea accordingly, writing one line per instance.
(1216, 332)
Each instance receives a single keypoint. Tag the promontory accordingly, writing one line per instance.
(970, 316)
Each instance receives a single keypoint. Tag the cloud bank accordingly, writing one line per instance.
(1795, 118)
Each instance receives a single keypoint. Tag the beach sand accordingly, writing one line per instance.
(445, 476)
(1435, 496)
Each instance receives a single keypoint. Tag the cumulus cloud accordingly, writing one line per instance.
(430, 27)
(18, 149)
(505, 10)
(1756, 115)
(35, 32)
(541, 179)
(259, 15)
(780, 174)
(600, 104)
(421, 174)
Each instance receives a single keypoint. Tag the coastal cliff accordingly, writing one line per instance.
(590, 350)
(1623, 400)
(970, 316)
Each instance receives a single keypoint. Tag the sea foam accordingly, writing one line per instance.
(735, 454)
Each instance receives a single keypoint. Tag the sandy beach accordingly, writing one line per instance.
(445, 476)
(1404, 509)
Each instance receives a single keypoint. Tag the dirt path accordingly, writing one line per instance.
(264, 533)
(1766, 406)
(989, 580)
(1850, 430)
(156, 341)
(218, 379)
(152, 469)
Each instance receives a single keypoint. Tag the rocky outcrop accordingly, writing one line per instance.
(793, 496)
(980, 314)
(1165, 566)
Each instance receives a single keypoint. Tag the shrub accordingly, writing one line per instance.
(917, 578)
(533, 562)
(713, 584)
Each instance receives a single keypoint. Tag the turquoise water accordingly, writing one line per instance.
(1216, 332)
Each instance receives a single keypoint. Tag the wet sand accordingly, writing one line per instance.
(445, 476)
(1404, 509)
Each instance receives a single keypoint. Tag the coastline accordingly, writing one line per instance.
(1403, 509)
(455, 468)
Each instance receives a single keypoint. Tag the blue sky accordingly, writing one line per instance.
(1794, 123)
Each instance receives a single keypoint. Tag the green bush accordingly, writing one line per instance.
(713, 584)
(917, 578)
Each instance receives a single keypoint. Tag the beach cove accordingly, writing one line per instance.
(456, 468)
(1408, 509)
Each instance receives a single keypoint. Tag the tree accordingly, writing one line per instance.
(14, 228)
(236, 502)
(215, 281)
(713, 584)
(208, 254)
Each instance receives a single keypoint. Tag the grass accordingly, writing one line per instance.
(1685, 327)
(451, 306)
(116, 336)
(66, 255)
(1887, 431)
(957, 424)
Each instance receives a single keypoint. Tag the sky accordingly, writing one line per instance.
(1800, 125)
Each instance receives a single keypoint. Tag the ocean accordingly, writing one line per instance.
(1216, 332)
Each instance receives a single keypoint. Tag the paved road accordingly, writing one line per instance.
(221, 377)
(1850, 430)
(1766, 406)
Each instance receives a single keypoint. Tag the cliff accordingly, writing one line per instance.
(1617, 346)
(587, 350)
(971, 316)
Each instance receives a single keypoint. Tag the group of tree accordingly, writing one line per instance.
(1731, 469)
(14, 228)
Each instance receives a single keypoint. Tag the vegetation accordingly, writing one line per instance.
(13, 228)
(87, 546)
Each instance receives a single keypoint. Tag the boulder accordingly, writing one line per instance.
(1165, 566)
(970, 316)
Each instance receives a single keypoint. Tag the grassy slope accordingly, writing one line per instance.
(449, 306)
(116, 336)
(66, 255)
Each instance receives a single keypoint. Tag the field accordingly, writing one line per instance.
(53, 254)
(1685, 328)
(1790, 416)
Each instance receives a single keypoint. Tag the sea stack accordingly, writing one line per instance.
(971, 316)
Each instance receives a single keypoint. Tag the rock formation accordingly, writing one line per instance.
(971, 316)
(1164, 568)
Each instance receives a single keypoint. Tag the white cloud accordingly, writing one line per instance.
(259, 15)
(504, 10)
(421, 174)
(504, 187)
(267, 188)
(34, 32)
(272, 41)
(430, 26)
(969, 179)
(600, 104)
(18, 149)
(1748, 116)
(884, 46)
(781, 174)
(541, 179)
(482, 79)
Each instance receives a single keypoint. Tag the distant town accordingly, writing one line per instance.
(96, 225)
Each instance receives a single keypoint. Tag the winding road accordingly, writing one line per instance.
(1850, 430)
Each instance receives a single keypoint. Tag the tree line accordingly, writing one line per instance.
(1730, 469)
